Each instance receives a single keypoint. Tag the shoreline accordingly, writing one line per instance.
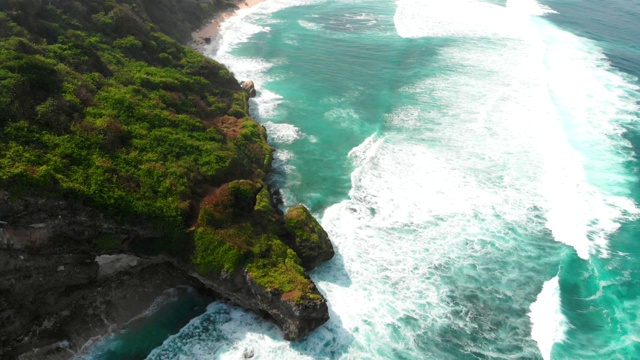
(209, 32)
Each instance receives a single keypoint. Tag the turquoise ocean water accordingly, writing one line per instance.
(475, 164)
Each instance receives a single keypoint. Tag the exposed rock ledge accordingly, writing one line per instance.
(52, 305)
(56, 291)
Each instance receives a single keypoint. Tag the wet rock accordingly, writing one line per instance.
(248, 354)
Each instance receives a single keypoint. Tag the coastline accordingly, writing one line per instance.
(63, 260)
(208, 33)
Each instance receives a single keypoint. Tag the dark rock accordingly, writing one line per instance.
(34, 287)
(276, 197)
(310, 241)
(296, 317)
(248, 354)
(46, 314)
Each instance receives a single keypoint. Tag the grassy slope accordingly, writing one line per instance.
(97, 105)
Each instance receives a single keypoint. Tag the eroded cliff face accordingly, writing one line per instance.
(128, 166)
(56, 226)
(65, 275)
(52, 305)
(33, 286)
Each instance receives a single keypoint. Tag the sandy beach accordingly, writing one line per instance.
(209, 32)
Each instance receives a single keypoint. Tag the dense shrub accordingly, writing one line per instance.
(95, 103)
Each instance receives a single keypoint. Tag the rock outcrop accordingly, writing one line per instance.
(51, 264)
(294, 315)
(240, 253)
(249, 87)
(310, 241)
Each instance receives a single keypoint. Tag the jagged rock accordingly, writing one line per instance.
(239, 255)
(248, 353)
(296, 317)
(311, 242)
(249, 87)
(276, 197)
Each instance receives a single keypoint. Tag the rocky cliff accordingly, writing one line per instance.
(128, 166)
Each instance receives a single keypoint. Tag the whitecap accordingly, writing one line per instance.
(282, 133)
(309, 25)
(549, 325)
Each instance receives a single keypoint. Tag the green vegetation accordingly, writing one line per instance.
(98, 106)
(95, 103)
(237, 228)
(300, 222)
(310, 240)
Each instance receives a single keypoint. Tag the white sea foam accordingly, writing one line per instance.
(556, 87)
(309, 25)
(464, 18)
(282, 133)
(265, 105)
(285, 174)
(343, 117)
(542, 112)
(548, 323)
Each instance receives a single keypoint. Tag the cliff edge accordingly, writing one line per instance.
(117, 141)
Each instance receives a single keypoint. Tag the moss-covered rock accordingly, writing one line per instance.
(238, 229)
(241, 252)
(311, 242)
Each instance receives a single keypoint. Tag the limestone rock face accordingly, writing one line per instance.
(311, 242)
(52, 305)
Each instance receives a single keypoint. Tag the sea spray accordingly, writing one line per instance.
(548, 324)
